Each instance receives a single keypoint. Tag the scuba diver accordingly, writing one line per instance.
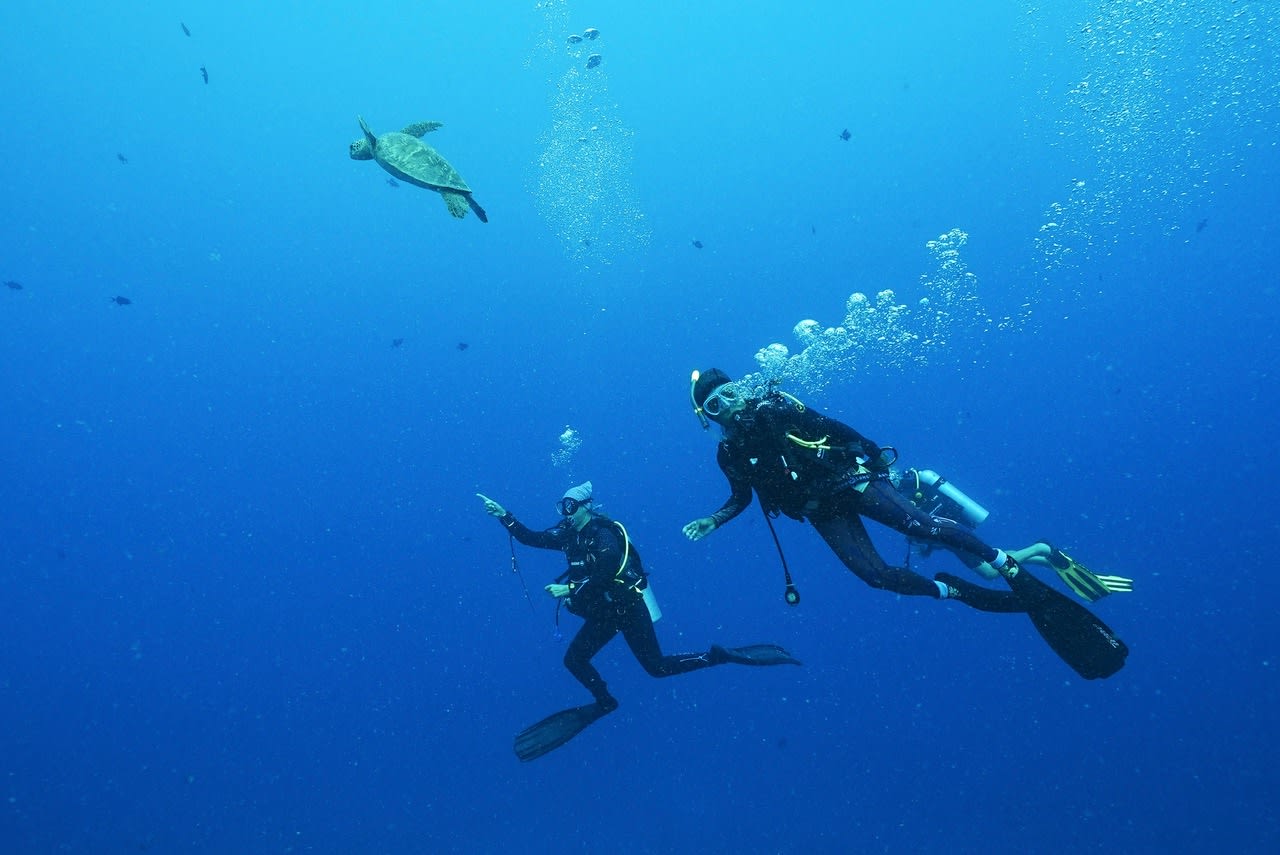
(940, 498)
(811, 467)
(606, 585)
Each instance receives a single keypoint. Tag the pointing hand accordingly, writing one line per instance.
(491, 507)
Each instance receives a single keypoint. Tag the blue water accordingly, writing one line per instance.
(251, 603)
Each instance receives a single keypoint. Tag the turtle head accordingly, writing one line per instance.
(363, 149)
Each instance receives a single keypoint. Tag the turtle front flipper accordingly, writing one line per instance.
(418, 129)
(368, 134)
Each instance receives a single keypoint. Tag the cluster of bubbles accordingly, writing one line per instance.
(1170, 99)
(583, 182)
(1170, 96)
(570, 442)
(880, 331)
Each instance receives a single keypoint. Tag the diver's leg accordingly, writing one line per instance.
(637, 629)
(1036, 554)
(882, 503)
(848, 539)
(968, 559)
(847, 536)
(593, 636)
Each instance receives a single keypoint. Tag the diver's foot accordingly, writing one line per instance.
(1010, 568)
(607, 704)
(752, 654)
(1056, 556)
(977, 597)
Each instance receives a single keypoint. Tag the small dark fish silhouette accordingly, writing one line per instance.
(462, 345)
(813, 230)
(121, 301)
(184, 29)
(594, 60)
(396, 342)
(1201, 225)
(120, 157)
(698, 244)
(844, 135)
(204, 72)
(12, 286)
(392, 182)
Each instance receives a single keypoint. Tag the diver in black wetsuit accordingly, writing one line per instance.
(811, 467)
(606, 585)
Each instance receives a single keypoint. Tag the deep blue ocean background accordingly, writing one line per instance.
(252, 604)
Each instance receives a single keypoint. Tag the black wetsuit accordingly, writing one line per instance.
(606, 593)
(811, 467)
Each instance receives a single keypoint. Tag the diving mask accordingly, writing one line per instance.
(721, 398)
(569, 506)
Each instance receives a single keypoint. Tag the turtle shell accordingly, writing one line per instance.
(413, 160)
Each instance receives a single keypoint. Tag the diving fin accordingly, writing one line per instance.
(557, 729)
(1076, 634)
(752, 654)
(1088, 585)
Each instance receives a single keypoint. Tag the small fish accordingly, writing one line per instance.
(813, 230)
(844, 135)
(120, 157)
(1200, 226)
(12, 286)
(121, 301)
(698, 244)
(204, 72)
(184, 29)
(391, 182)
(396, 342)
(462, 345)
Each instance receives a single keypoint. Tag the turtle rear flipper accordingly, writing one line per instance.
(456, 201)
(475, 206)
(418, 129)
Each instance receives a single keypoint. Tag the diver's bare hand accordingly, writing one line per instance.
(491, 507)
(699, 528)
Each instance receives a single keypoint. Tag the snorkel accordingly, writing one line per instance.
(693, 399)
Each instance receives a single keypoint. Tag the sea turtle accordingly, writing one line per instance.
(410, 159)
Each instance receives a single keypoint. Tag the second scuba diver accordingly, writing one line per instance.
(812, 467)
(606, 585)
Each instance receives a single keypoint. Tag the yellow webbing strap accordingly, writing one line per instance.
(813, 444)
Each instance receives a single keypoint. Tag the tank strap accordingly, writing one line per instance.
(864, 476)
(639, 581)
